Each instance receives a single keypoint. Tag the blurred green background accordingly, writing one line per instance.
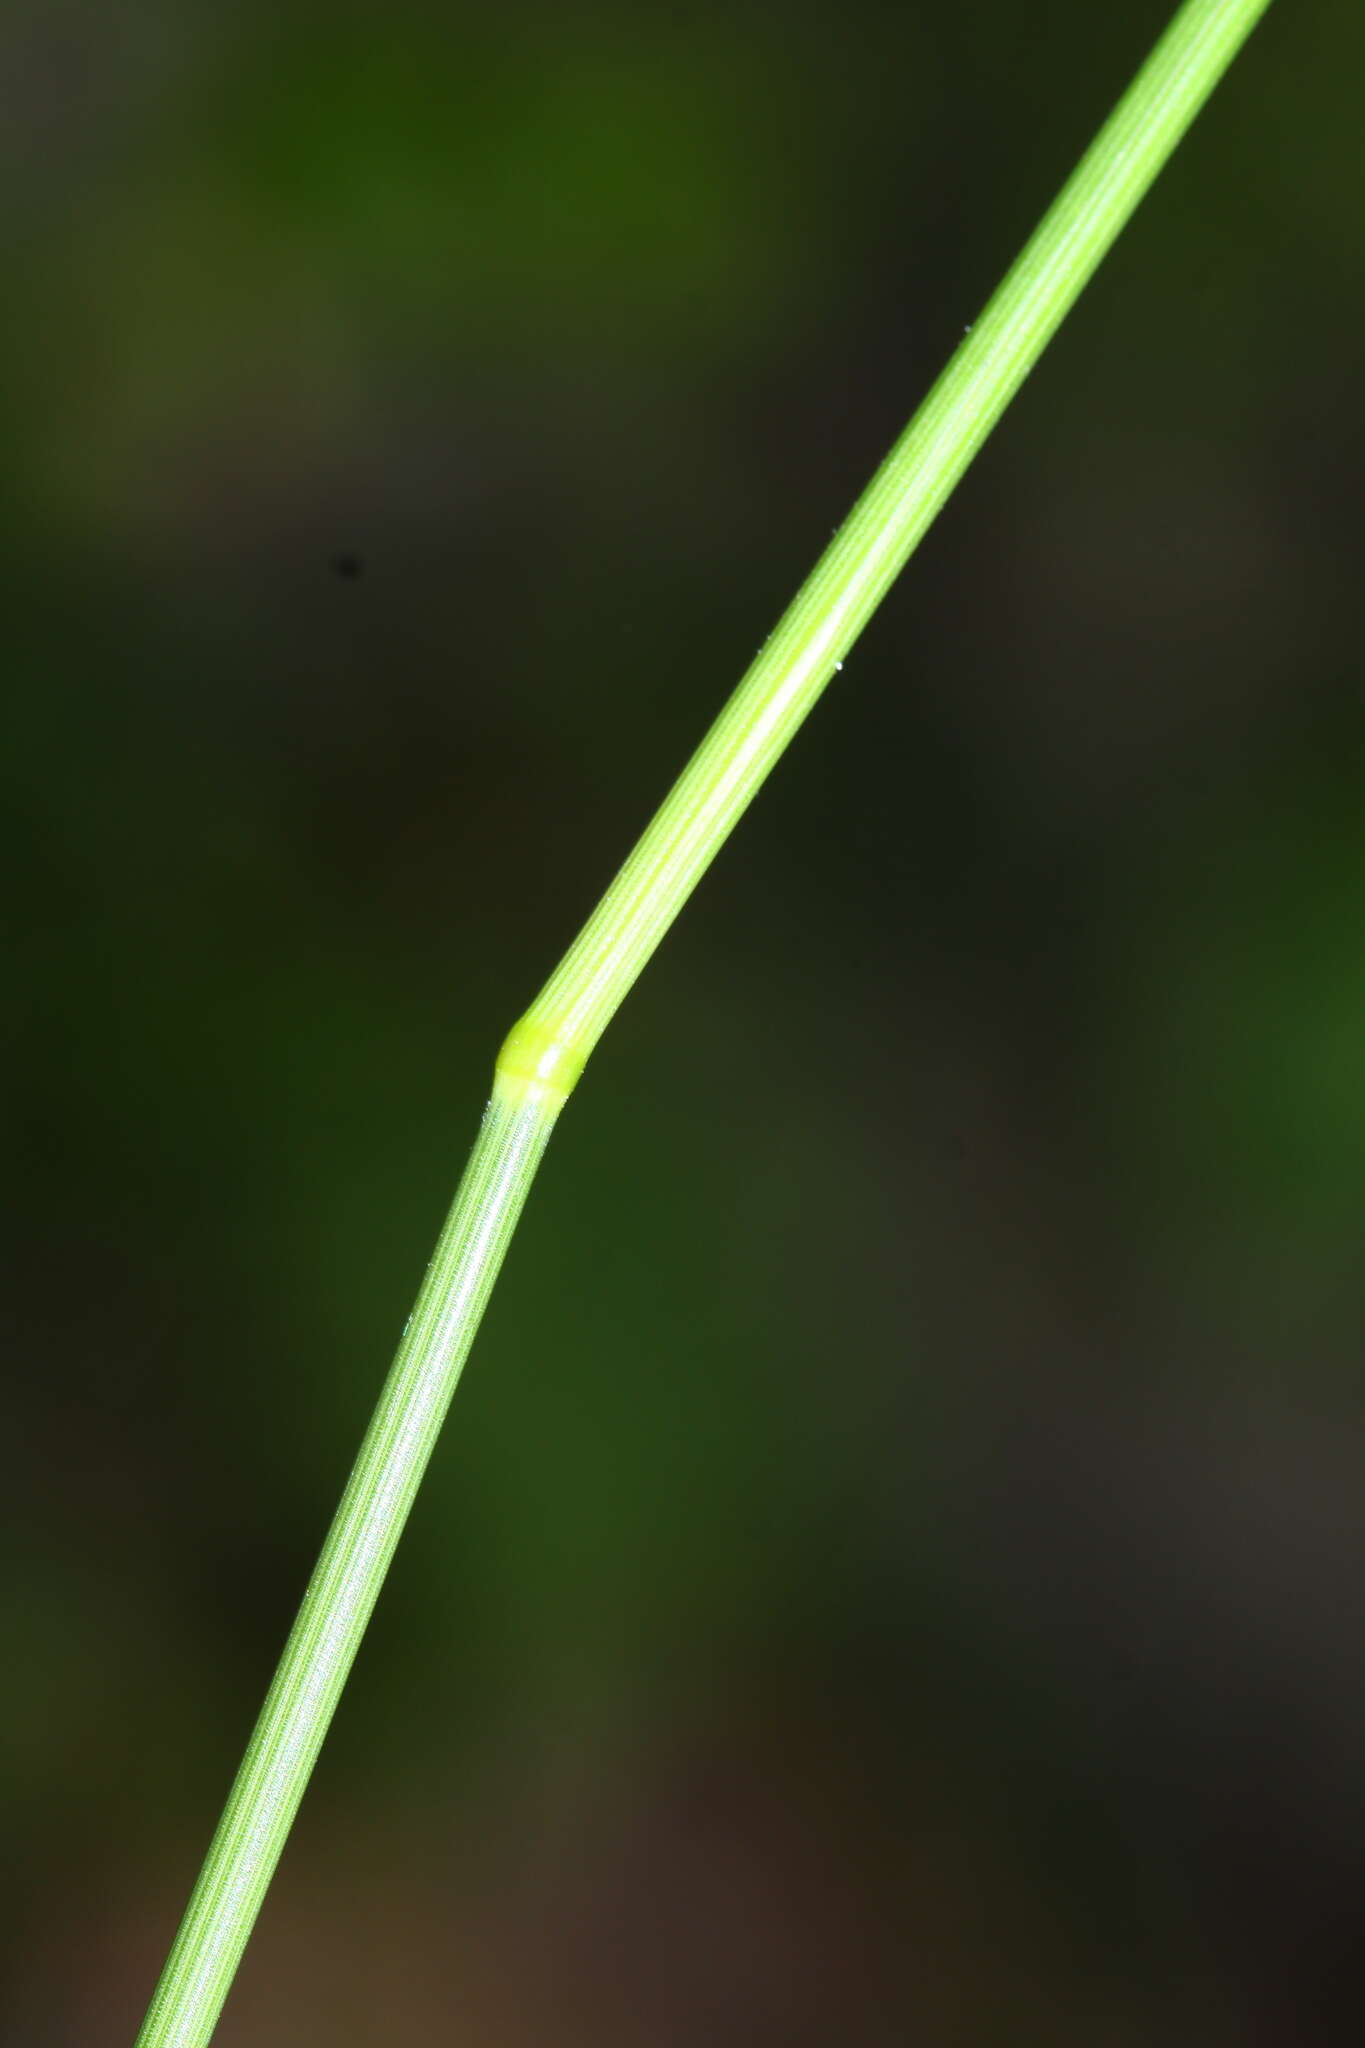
(894, 1570)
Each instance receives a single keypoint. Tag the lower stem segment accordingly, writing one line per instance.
(349, 1574)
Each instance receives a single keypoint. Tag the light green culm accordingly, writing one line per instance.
(545, 1052)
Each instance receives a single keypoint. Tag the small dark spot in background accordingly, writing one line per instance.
(348, 566)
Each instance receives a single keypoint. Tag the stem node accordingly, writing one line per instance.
(538, 1065)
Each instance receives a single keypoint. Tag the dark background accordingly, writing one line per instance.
(894, 1570)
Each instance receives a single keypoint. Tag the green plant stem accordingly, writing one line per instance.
(349, 1573)
(544, 1053)
(848, 583)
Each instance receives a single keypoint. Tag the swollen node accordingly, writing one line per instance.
(536, 1067)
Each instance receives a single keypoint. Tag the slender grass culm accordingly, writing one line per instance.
(545, 1052)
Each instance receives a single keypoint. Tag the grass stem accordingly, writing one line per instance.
(545, 1052)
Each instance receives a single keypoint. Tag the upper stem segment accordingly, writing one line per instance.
(548, 1048)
